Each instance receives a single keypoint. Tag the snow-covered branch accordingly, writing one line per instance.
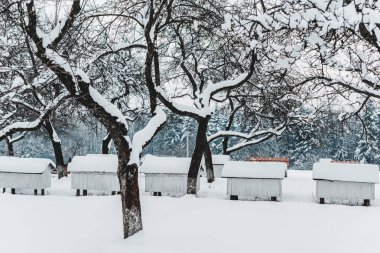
(253, 134)
(21, 126)
(108, 106)
(258, 137)
(17, 138)
(247, 143)
(145, 135)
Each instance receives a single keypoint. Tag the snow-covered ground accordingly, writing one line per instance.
(61, 222)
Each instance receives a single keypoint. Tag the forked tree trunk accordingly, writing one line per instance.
(105, 144)
(130, 196)
(208, 161)
(57, 147)
(196, 159)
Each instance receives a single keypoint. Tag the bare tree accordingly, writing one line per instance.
(55, 51)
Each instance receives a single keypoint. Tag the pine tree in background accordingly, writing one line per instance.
(367, 150)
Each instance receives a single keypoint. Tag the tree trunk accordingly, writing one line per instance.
(209, 165)
(130, 197)
(200, 144)
(80, 90)
(57, 147)
(105, 144)
(10, 146)
(225, 145)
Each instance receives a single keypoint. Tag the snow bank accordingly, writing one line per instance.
(94, 163)
(94, 224)
(364, 173)
(175, 165)
(246, 169)
(24, 165)
(220, 159)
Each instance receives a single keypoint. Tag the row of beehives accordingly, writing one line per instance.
(90, 172)
(262, 178)
(168, 175)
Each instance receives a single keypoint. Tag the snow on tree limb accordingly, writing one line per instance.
(25, 104)
(7, 117)
(253, 134)
(63, 63)
(181, 108)
(258, 137)
(35, 124)
(56, 34)
(17, 138)
(21, 126)
(252, 138)
(55, 135)
(213, 88)
(47, 39)
(108, 106)
(248, 143)
(204, 110)
(145, 135)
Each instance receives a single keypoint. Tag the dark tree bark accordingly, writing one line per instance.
(57, 147)
(209, 165)
(196, 159)
(130, 196)
(105, 144)
(10, 146)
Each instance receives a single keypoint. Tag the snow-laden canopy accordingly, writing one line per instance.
(162, 165)
(94, 163)
(361, 173)
(246, 169)
(24, 165)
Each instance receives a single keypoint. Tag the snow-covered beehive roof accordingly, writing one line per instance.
(220, 159)
(24, 165)
(163, 165)
(94, 163)
(361, 173)
(247, 169)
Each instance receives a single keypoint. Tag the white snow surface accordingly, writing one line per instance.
(156, 164)
(220, 159)
(245, 169)
(24, 165)
(363, 173)
(60, 222)
(94, 163)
